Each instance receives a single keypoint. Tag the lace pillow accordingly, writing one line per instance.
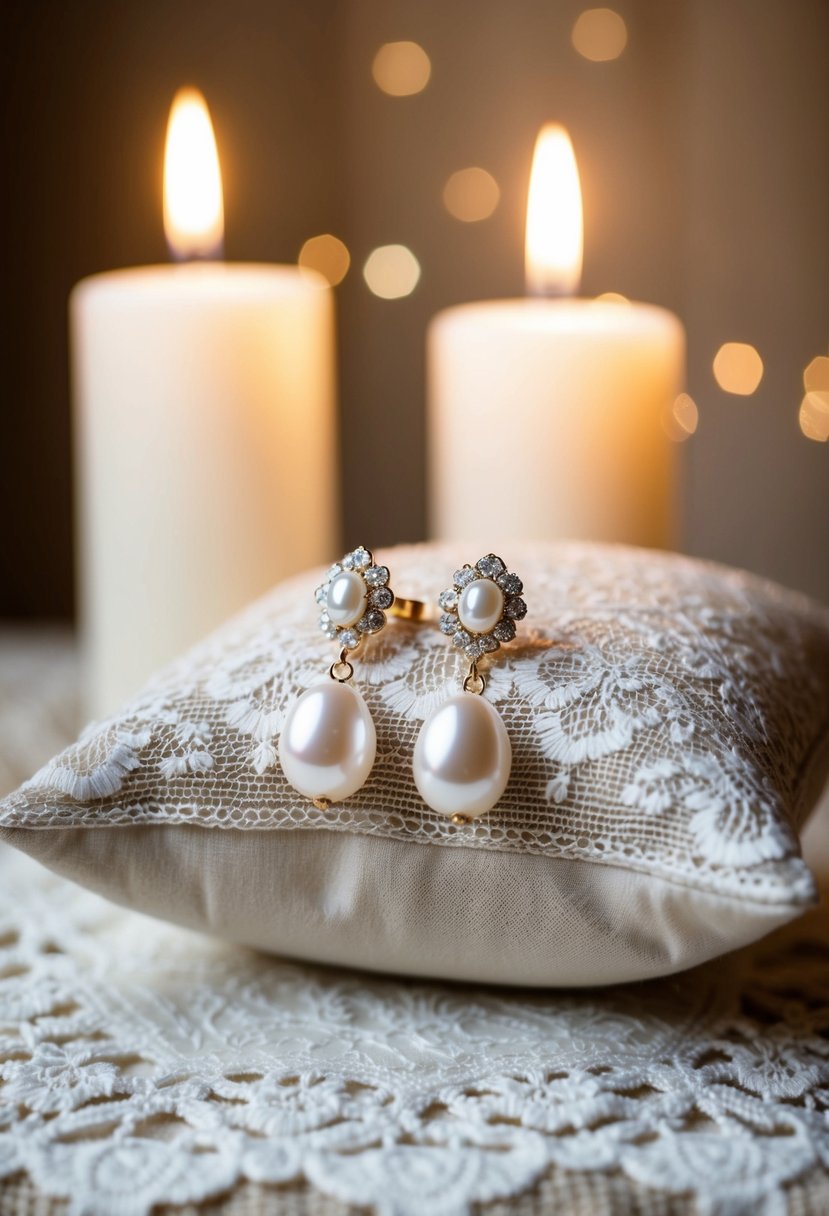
(668, 721)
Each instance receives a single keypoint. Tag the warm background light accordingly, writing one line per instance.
(814, 416)
(613, 297)
(738, 368)
(471, 195)
(681, 420)
(401, 69)
(327, 255)
(193, 207)
(814, 408)
(554, 237)
(600, 34)
(816, 375)
(391, 271)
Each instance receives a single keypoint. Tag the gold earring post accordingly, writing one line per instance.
(411, 610)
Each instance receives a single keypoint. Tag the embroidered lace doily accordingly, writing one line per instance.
(664, 716)
(143, 1065)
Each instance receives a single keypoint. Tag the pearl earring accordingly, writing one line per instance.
(328, 743)
(463, 755)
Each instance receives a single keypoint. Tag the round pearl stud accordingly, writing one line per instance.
(463, 757)
(346, 598)
(328, 742)
(481, 606)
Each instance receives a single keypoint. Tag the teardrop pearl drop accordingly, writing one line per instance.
(463, 757)
(328, 742)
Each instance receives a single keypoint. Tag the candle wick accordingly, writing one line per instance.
(547, 291)
(215, 254)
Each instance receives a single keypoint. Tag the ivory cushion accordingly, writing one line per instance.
(668, 721)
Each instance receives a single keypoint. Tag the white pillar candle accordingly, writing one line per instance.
(205, 453)
(547, 416)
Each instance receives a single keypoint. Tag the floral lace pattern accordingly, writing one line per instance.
(142, 1065)
(665, 715)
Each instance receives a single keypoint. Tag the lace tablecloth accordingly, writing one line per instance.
(142, 1066)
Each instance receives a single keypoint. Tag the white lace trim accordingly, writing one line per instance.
(144, 1065)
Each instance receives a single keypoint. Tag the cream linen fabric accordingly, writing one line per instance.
(668, 720)
(366, 902)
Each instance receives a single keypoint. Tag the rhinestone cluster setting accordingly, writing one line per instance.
(489, 569)
(358, 578)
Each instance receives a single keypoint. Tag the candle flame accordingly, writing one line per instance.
(193, 206)
(553, 246)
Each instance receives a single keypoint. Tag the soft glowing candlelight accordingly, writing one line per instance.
(205, 429)
(193, 203)
(546, 415)
(554, 235)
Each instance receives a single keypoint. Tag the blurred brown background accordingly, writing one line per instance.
(704, 155)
